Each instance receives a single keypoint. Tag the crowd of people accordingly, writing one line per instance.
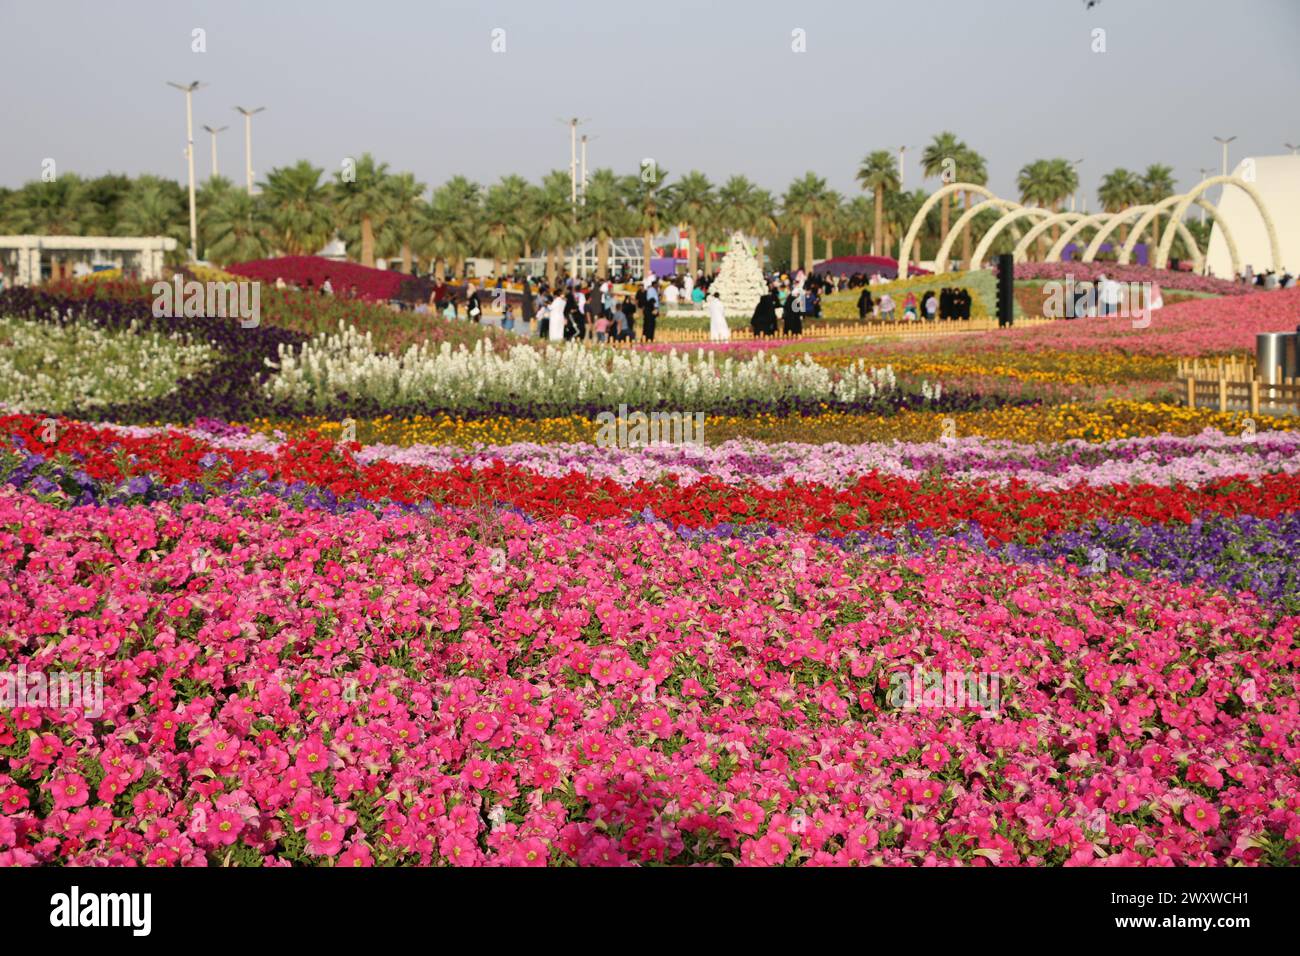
(1267, 279)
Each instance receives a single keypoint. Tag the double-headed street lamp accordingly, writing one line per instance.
(1224, 143)
(248, 144)
(214, 133)
(188, 89)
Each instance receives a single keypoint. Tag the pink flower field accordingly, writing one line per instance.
(285, 686)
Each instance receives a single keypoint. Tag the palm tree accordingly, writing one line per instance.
(743, 207)
(457, 208)
(553, 213)
(298, 208)
(209, 196)
(807, 200)
(940, 155)
(1119, 189)
(503, 221)
(649, 199)
(970, 169)
(156, 207)
(1157, 184)
(106, 193)
(604, 212)
(406, 197)
(1040, 183)
(857, 214)
(900, 209)
(364, 198)
(879, 174)
(1062, 182)
(57, 208)
(763, 221)
(692, 203)
(237, 229)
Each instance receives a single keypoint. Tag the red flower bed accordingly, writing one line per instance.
(378, 284)
(1015, 511)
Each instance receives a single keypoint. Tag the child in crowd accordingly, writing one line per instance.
(602, 327)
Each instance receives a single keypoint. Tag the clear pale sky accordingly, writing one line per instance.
(709, 84)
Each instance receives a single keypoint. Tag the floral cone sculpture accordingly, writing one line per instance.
(740, 281)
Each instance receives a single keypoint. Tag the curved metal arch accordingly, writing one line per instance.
(1022, 247)
(905, 247)
(977, 257)
(1116, 220)
(963, 222)
(1139, 227)
(1167, 241)
(1096, 219)
(1058, 250)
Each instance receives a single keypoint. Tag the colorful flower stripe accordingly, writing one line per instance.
(1094, 423)
(1004, 510)
(1163, 460)
(298, 687)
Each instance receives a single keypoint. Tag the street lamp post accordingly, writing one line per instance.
(584, 168)
(188, 89)
(1224, 143)
(902, 150)
(214, 133)
(1205, 174)
(248, 144)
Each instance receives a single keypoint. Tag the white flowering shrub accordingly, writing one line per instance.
(317, 374)
(48, 366)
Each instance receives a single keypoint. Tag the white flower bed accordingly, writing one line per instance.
(327, 367)
(56, 366)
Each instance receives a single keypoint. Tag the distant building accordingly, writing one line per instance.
(28, 260)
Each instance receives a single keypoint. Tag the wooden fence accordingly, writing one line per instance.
(1233, 384)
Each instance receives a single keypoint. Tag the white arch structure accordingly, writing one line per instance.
(1117, 220)
(1022, 247)
(963, 222)
(1024, 212)
(905, 248)
(1104, 223)
(1107, 222)
(1167, 240)
(1139, 227)
(1105, 218)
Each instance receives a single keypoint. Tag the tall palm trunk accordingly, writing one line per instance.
(550, 269)
(830, 247)
(877, 244)
(602, 256)
(808, 244)
(647, 241)
(407, 264)
(367, 242)
(794, 251)
(692, 257)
